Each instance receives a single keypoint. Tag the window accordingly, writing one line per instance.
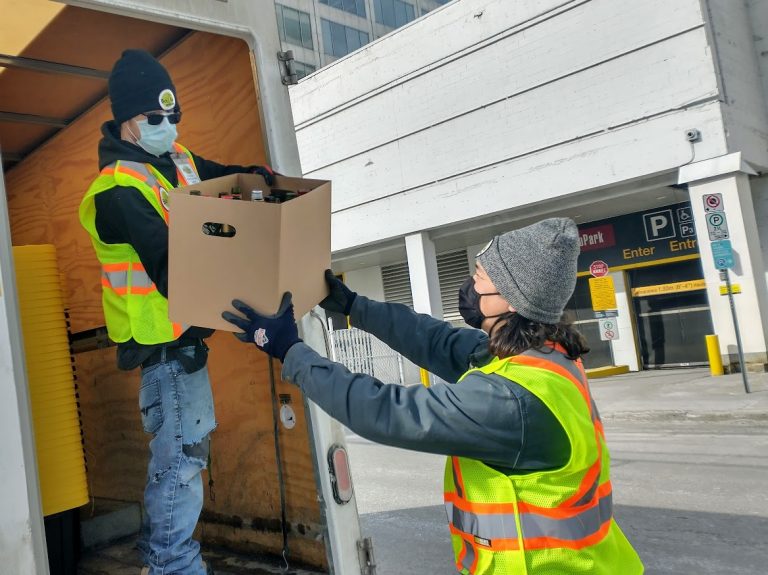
(340, 40)
(303, 69)
(352, 6)
(294, 26)
(393, 13)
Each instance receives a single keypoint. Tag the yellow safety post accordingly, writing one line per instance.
(713, 351)
(424, 376)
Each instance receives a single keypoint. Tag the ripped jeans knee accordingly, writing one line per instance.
(198, 450)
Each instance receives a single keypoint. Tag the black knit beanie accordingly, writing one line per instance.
(138, 83)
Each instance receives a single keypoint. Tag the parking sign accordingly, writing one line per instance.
(685, 222)
(659, 226)
(717, 226)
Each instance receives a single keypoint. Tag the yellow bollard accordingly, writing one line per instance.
(713, 351)
(424, 376)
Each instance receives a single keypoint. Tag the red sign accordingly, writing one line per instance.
(596, 238)
(598, 268)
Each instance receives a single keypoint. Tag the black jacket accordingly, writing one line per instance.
(483, 417)
(123, 215)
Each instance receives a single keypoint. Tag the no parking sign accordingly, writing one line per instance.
(609, 329)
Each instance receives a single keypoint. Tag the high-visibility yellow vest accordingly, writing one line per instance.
(133, 308)
(547, 522)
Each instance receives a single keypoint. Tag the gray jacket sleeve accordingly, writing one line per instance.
(430, 343)
(484, 417)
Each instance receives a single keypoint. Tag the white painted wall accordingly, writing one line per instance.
(366, 281)
(738, 35)
(511, 103)
(758, 18)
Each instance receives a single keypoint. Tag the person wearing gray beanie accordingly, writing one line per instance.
(527, 477)
(534, 268)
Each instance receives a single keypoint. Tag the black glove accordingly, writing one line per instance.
(341, 297)
(273, 334)
(265, 172)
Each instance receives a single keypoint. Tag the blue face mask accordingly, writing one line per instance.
(157, 140)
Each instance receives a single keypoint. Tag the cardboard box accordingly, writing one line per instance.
(275, 248)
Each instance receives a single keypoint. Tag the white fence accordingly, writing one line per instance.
(361, 352)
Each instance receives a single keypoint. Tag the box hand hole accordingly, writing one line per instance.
(220, 230)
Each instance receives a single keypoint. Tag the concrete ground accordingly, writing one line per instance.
(689, 461)
(689, 465)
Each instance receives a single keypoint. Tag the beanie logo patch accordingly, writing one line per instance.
(167, 100)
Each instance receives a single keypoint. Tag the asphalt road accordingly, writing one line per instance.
(690, 495)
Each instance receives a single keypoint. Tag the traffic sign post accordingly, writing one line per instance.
(724, 275)
(722, 252)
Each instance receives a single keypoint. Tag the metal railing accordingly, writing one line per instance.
(360, 352)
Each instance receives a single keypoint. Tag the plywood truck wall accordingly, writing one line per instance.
(215, 82)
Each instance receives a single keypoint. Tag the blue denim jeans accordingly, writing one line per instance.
(177, 409)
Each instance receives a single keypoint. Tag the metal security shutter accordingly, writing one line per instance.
(452, 270)
(397, 284)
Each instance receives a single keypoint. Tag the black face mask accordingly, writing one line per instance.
(469, 304)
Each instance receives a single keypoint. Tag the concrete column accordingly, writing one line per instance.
(749, 270)
(422, 267)
(625, 349)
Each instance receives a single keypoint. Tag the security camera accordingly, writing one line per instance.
(692, 135)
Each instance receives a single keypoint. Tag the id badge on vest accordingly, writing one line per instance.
(184, 165)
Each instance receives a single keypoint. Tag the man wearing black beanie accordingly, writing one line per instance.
(125, 212)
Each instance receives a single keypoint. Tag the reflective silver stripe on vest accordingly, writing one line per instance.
(119, 280)
(502, 525)
(116, 279)
(151, 180)
(143, 170)
(486, 526)
(141, 279)
(590, 493)
(574, 528)
(456, 482)
(469, 557)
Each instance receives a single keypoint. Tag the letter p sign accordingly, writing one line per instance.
(659, 225)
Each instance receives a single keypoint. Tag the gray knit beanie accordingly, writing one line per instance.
(534, 268)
